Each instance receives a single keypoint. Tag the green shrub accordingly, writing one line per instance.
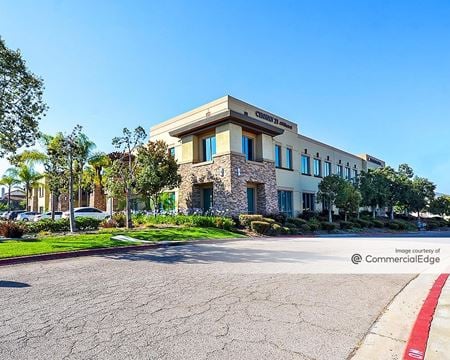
(377, 223)
(224, 223)
(305, 228)
(246, 220)
(363, 223)
(109, 223)
(120, 219)
(285, 230)
(324, 225)
(296, 221)
(393, 225)
(86, 223)
(62, 225)
(345, 225)
(278, 217)
(270, 220)
(11, 229)
(314, 224)
(308, 214)
(260, 227)
(275, 228)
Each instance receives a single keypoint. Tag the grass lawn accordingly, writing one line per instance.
(59, 243)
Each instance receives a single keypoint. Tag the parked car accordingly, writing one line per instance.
(12, 215)
(26, 216)
(48, 215)
(3, 215)
(87, 212)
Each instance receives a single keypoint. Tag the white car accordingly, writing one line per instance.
(27, 216)
(48, 215)
(87, 212)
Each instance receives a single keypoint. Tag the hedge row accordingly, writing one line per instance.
(220, 222)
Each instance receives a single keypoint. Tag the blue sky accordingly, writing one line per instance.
(365, 76)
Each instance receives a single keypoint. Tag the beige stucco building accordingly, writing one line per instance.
(239, 158)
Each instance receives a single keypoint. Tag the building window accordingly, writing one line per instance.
(277, 156)
(247, 147)
(289, 158)
(305, 165)
(327, 169)
(285, 202)
(172, 151)
(348, 175)
(355, 174)
(209, 148)
(339, 170)
(309, 201)
(317, 165)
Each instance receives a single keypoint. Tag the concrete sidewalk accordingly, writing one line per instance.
(438, 346)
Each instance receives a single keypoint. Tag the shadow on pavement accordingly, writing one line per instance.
(12, 284)
(208, 253)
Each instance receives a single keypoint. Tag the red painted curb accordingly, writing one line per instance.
(417, 343)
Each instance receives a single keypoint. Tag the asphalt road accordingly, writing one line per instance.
(188, 302)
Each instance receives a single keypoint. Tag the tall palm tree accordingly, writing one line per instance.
(29, 177)
(9, 179)
(85, 148)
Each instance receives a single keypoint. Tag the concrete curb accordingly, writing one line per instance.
(387, 337)
(103, 251)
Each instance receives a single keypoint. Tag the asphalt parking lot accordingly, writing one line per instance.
(188, 302)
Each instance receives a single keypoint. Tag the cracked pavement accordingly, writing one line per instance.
(186, 302)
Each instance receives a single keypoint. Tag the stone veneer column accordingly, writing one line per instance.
(229, 175)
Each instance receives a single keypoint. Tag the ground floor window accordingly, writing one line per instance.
(309, 201)
(285, 202)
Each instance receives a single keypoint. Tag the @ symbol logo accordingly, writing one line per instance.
(356, 258)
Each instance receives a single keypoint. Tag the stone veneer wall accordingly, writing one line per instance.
(229, 187)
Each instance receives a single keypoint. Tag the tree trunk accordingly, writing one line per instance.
(80, 192)
(71, 213)
(345, 216)
(128, 208)
(53, 195)
(373, 212)
(392, 213)
(330, 215)
(9, 198)
(27, 190)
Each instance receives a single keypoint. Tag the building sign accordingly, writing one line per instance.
(272, 119)
(375, 161)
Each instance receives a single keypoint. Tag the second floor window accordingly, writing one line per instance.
(355, 174)
(277, 156)
(172, 151)
(327, 169)
(339, 170)
(247, 147)
(305, 165)
(289, 158)
(209, 148)
(317, 167)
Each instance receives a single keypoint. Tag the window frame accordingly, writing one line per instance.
(308, 161)
(319, 167)
(278, 156)
(212, 147)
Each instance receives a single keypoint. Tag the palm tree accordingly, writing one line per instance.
(28, 177)
(85, 148)
(9, 179)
